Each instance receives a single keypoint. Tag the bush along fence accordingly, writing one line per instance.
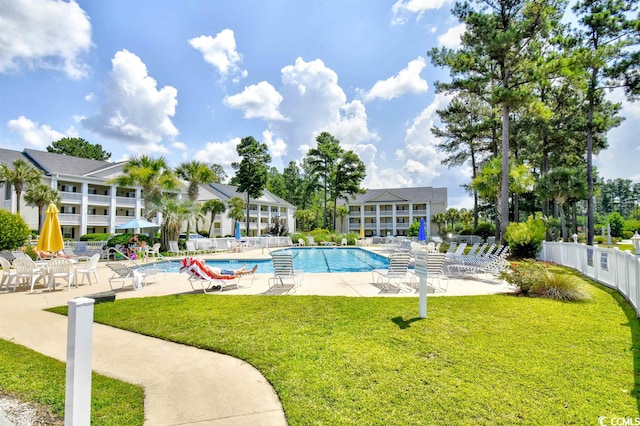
(611, 267)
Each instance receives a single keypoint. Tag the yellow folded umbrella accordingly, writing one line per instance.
(51, 236)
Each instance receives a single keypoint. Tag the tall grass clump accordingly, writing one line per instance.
(534, 279)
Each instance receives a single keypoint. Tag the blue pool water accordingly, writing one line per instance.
(321, 259)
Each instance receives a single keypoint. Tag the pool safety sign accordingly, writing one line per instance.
(421, 273)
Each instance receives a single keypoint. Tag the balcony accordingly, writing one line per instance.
(369, 213)
(102, 200)
(69, 219)
(70, 197)
(125, 202)
(419, 213)
(98, 220)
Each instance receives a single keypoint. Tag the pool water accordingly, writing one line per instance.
(320, 259)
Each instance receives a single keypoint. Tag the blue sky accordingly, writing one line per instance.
(188, 79)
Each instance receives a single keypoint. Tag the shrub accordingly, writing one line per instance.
(533, 279)
(30, 251)
(525, 239)
(204, 233)
(14, 231)
(617, 224)
(485, 230)
(94, 237)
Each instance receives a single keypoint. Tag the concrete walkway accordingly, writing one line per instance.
(184, 385)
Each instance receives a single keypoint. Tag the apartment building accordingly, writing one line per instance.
(263, 211)
(90, 205)
(389, 212)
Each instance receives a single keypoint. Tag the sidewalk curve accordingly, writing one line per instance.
(183, 385)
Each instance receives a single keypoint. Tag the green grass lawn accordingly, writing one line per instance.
(30, 376)
(475, 360)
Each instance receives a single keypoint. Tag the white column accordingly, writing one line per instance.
(378, 220)
(393, 219)
(84, 207)
(138, 203)
(428, 219)
(79, 347)
(410, 213)
(112, 209)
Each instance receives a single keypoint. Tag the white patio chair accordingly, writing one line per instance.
(60, 268)
(397, 273)
(154, 251)
(27, 271)
(8, 274)
(86, 269)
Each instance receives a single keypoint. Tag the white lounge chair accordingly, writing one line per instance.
(139, 277)
(283, 270)
(200, 277)
(435, 272)
(397, 273)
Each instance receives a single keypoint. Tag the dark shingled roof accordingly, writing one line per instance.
(53, 163)
(226, 192)
(419, 194)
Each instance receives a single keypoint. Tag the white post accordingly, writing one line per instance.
(79, 342)
(421, 271)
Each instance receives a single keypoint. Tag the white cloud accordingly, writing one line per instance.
(314, 102)
(451, 39)
(403, 10)
(44, 34)
(277, 147)
(135, 110)
(37, 136)
(181, 146)
(420, 160)
(258, 101)
(221, 53)
(222, 153)
(407, 80)
(351, 126)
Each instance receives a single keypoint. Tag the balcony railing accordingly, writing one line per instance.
(125, 202)
(99, 199)
(98, 220)
(68, 219)
(70, 197)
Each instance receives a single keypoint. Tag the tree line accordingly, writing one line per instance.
(327, 174)
(528, 109)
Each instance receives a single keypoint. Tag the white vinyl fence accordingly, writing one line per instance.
(611, 267)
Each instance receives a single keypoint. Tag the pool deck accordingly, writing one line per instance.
(185, 385)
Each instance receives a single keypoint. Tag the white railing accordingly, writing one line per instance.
(617, 269)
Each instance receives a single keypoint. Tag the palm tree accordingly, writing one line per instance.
(214, 207)
(196, 173)
(153, 175)
(341, 212)
(439, 219)
(236, 209)
(174, 212)
(452, 215)
(22, 174)
(41, 195)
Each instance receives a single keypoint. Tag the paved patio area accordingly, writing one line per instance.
(184, 385)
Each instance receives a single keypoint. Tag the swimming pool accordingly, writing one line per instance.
(314, 259)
